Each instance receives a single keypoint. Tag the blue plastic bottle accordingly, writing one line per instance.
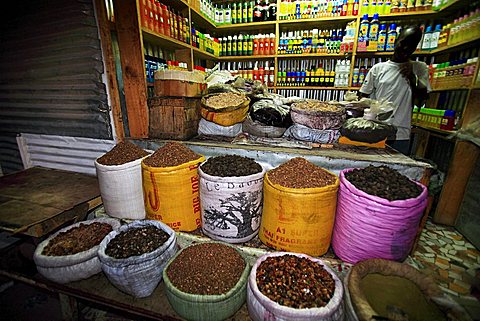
(391, 37)
(373, 31)
(364, 28)
(382, 37)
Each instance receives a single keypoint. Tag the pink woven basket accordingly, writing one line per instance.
(368, 226)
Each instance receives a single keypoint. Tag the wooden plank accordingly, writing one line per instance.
(38, 200)
(465, 156)
(133, 67)
(110, 70)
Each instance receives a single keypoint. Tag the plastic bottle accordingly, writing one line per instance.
(251, 4)
(372, 7)
(435, 36)
(391, 37)
(427, 38)
(364, 28)
(272, 44)
(373, 30)
(382, 37)
(245, 12)
(387, 7)
(255, 45)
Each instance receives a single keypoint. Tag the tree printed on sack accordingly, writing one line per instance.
(239, 210)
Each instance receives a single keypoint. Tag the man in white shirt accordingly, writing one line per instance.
(402, 82)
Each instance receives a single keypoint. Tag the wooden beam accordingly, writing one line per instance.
(133, 66)
(465, 156)
(110, 70)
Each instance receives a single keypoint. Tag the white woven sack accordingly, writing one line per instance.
(69, 268)
(121, 189)
(307, 134)
(231, 207)
(138, 275)
(209, 128)
(260, 307)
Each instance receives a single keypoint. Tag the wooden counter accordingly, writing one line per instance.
(38, 200)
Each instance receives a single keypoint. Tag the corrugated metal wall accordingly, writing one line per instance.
(50, 73)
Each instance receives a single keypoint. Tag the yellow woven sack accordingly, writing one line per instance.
(225, 118)
(171, 195)
(298, 219)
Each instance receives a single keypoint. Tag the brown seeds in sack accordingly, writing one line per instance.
(300, 173)
(122, 153)
(77, 239)
(171, 154)
(223, 100)
(136, 241)
(384, 182)
(206, 269)
(295, 282)
(231, 166)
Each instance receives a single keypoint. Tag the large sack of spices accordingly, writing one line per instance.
(272, 293)
(318, 114)
(225, 109)
(387, 290)
(378, 215)
(138, 275)
(119, 175)
(170, 185)
(299, 207)
(64, 267)
(207, 281)
(231, 197)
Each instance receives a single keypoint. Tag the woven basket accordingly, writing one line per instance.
(360, 308)
(206, 307)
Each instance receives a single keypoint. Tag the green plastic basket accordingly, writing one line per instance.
(207, 307)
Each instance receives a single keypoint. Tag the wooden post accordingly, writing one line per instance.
(133, 66)
(110, 70)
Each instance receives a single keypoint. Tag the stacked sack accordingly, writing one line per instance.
(316, 121)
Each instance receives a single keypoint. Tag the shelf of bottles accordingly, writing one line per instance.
(263, 71)
(330, 73)
(332, 41)
(245, 44)
(323, 94)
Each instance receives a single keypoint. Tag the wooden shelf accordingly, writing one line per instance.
(436, 130)
(162, 40)
(246, 57)
(203, 54)
(313, 55)
(200, 20)
(249, 26)
(449, 89)
(315, 87)
(317, 21)
(453, 47)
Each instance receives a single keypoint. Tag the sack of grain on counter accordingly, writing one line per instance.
(378, 214)
(170, 185)
(134, 256)
(225, 109)
(206, 281)
(273, 294)
(300, 199)
(231, 197)
(119, 175)
(71, 253)
(307, 134)
(318, 114)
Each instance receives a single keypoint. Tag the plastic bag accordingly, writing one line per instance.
(470, 132)
(308, 134)
(209, 128)
(367, 131)
(257, 128)
(269, 113)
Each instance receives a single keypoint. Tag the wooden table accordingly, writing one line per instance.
(38, 200)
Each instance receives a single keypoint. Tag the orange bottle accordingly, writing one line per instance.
(151, 15)
(261, 45)
(166, 20)
(144, 13)
(160, 18)
(272, 44)
(255, 45)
